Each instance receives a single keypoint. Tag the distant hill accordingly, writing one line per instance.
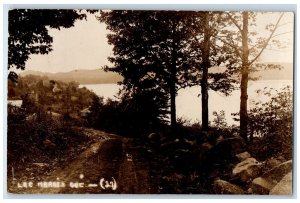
(286, 73)
(81, 76)
(99, 76)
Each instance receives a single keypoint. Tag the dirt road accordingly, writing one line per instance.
(111, 164)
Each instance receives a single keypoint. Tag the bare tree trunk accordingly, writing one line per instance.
(173, 97)
(205, 66)
(173, 81)
(244, 79)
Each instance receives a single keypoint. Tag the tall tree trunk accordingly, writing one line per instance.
(244, 79)
(205, 66)
(173, 81)
(173, 98)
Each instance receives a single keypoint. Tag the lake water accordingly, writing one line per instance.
(188, 102)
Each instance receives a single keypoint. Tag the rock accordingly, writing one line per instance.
(183, 160)
(271, 163)
(281, 159)
(250, 191)
(224, 187)
(232, 145)
(170, 147)
(278, 172)
(243, 156)
(154, 137)
(192, 143)
(203, 152)
(261, 186)
(206, 147)
(247, 170)
(284, 187)
(219, 139)
(203, 156)
(48, 144)
(265, 183)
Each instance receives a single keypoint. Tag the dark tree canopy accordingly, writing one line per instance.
(28, 32)
(152, 50)
(164, 51)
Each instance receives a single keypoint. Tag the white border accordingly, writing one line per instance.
(154, 4)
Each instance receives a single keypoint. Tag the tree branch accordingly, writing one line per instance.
(268, 40)
(231, 45)
(235, 22)
(283, 33)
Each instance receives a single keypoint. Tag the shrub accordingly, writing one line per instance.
(39, 137)
(133, 115)
(271, 124)
(219, 120)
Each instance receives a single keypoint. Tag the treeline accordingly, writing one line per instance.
(160, 52)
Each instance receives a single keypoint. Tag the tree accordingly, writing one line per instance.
(247, 48)
(151, 52)
(28, 33)
(210, 52)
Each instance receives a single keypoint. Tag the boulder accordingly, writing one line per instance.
(247, 170)
(284, 187)
(224, 187)
(48, 144)
(170, 147)
(271, 163)
(206, 147)
(261, 186)
(243, 156)
(224, 151)
(234, 144)
(154, 137)
(265, 183)
(203, 152)
(183, 160)
(219, 139)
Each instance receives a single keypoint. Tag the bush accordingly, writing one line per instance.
(39, 137)
(133, 115)
(271, 124)
(219, 121)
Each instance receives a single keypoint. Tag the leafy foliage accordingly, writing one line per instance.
(39, 137)
(272, 122)
(55, 96)
(151, 51)
(246, 48)
(133, 115)
(28, 33)
(219, 120)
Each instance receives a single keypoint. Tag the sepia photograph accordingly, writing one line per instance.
(150, 102)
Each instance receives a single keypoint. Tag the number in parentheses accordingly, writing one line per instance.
(114, 184)
(102, 183)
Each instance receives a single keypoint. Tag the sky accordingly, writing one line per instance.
(85, 46)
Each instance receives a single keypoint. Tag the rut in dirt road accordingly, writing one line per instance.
(134, 171)
(111, 165)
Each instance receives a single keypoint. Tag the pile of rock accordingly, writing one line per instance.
(276, 181)
(272, 177)
(223, 157)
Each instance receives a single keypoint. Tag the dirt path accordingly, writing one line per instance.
(111, 164)
(134, 170)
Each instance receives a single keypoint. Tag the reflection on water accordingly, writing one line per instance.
(188, 101)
